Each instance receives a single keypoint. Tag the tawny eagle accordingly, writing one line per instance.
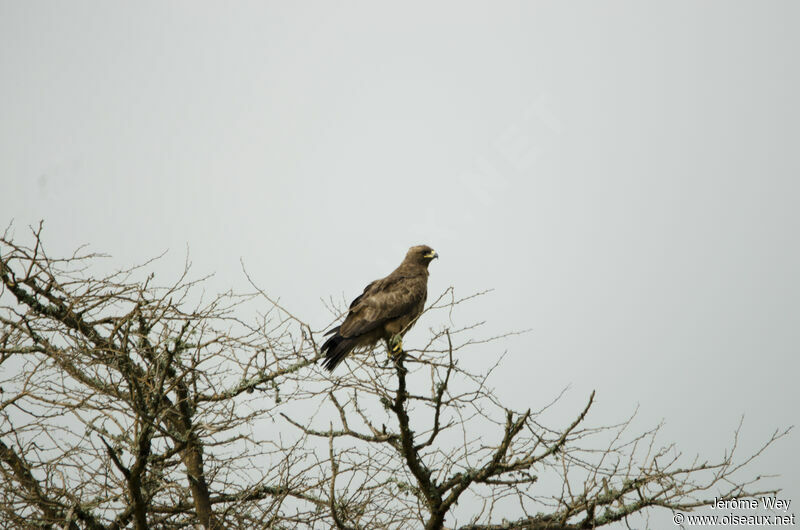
(385, 310)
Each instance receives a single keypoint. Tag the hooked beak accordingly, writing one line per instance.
(432, 254)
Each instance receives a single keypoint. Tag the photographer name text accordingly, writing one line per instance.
(765, 503)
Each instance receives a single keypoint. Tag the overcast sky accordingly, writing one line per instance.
(625, 175)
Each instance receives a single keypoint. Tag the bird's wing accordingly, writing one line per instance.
(381, 301)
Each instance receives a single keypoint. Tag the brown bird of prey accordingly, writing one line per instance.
(385, 310)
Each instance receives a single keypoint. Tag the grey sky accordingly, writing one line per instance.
(624, 174)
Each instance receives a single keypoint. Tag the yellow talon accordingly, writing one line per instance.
(396, 345)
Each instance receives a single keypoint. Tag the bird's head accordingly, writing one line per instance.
(421, 254)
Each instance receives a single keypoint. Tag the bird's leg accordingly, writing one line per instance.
(396, 352)
(395, 345)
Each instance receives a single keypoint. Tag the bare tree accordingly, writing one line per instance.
(424, 434)
(127, 404)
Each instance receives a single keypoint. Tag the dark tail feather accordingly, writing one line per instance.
(336, 349)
